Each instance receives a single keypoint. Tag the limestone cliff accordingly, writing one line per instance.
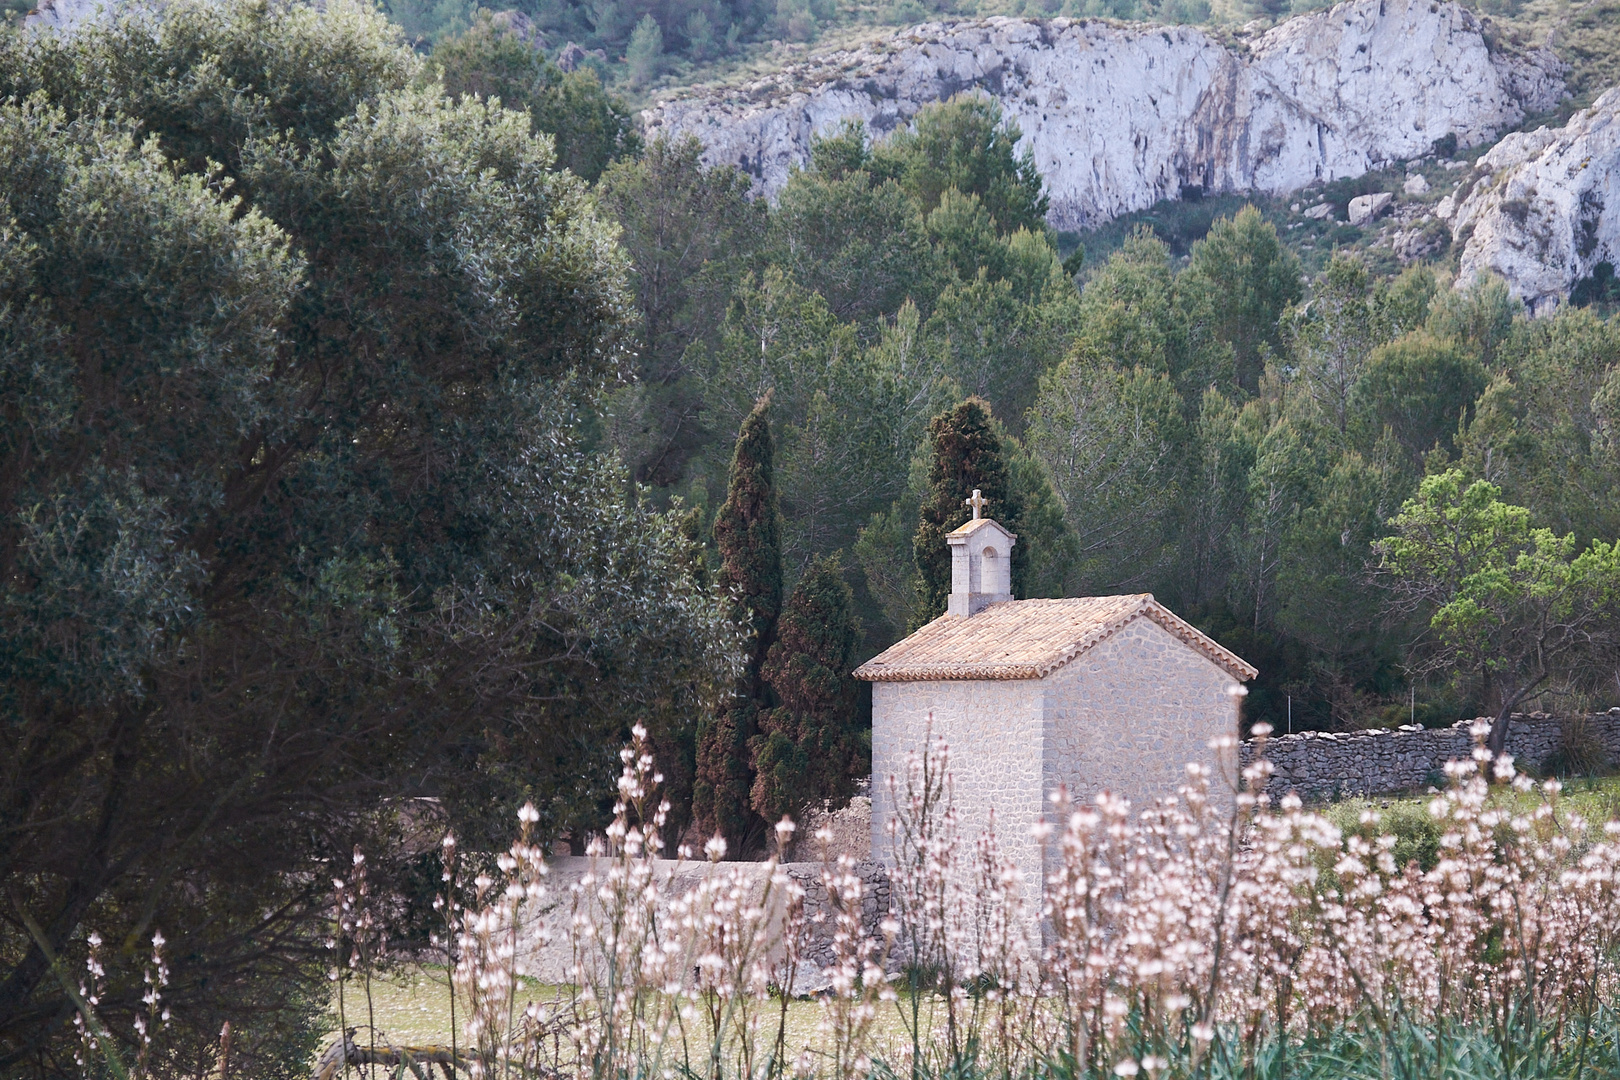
(65, 16)
(1544, 208)
(1118, 117)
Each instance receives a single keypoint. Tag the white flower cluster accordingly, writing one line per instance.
(1214, 915)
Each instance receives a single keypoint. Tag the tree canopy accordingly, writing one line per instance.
(297, 514)
(1509, 603)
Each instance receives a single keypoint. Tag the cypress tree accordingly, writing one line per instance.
(808, 745)
(747, 532)
(967, 455)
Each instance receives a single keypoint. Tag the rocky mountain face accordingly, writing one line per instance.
(65, 15)
(1543, 209)
(1119, 117)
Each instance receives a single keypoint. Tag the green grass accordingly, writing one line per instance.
(410, 1004)
(1596, 799)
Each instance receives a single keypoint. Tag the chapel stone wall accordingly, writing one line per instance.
(1130, 713)
(993, 731)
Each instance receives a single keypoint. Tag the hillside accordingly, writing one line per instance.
(1118, 118)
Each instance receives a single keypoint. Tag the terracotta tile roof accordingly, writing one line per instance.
(1029, 639)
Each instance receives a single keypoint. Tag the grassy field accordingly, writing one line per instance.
(411, 1005)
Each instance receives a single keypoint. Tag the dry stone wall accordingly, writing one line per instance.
(546, 936)
(1327, 765)
(849, 830)
(1317, 765)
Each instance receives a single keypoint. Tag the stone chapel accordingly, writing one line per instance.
(1094, 693)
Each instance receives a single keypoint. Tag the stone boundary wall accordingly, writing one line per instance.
(1326, 765)
(545, 935)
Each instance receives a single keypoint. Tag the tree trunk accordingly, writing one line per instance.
(1497, 740)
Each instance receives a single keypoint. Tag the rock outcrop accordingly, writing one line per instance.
(65, 15)
(1544, 207)
(1118, 117)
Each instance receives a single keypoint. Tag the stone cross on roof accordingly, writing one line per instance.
(977, 502)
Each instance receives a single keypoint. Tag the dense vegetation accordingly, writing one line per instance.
(374, 457)
(1215, 429)
(301, 516)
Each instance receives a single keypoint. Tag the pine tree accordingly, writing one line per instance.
(967, 455)
(808, 745)
(747, 532)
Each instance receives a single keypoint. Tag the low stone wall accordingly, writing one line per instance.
(1325, 765)
(546, 938)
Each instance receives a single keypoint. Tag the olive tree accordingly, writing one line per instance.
(297, 518)
(1508, 603)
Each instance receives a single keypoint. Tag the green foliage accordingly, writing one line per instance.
(1417, 833)
(644, 56)
(808, 749)
(690, 235)
(1480, 316)
(1540, 430)
(748, 535)
(747, 532)
(855, 237)
(1111, 439)
(993, 345)
(1420, 390)
(1051, 549)
(1251, 279)
(1136, 313)
(1333, 338)
(1506, 601)
(429, 22)
(849, 416)
(1591, 45)
(1323, 601)
(967, 455)
(589, 128)
(965, 144)
(297, 512)
(1403, 303)
(889, 576)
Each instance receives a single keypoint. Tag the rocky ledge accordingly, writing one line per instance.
(1119, 117)
(1543, 209)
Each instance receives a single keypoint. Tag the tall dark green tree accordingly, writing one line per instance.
(690, 234)
(808, 747)
(1419, 389)
(967, 454)
(967, 144)
(1251, 279)
(748, 532)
